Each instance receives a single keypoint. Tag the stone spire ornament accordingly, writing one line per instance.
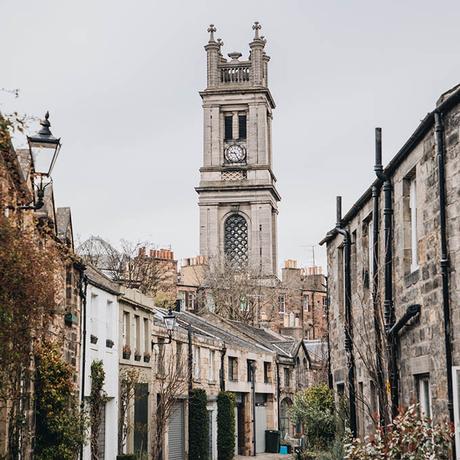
(256, 27)
(211, 30)
(220, 42)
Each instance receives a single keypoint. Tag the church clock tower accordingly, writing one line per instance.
(237, 194)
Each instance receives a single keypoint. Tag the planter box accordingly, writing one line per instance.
(146, 359)
(70, 319)
(109, 343)
(93, 339)
(137, 357)
(126, 354)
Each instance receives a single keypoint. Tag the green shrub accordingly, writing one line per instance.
(314, 409)
(225, 425)
(198, 425)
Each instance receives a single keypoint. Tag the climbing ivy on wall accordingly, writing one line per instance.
(97, 400)
(61, 427)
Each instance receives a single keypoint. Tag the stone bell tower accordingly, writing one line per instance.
(237, 194)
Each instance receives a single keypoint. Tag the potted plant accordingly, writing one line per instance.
(137, 355)
(93, 338)
(146, 357)
(109, 343)
(126, 352)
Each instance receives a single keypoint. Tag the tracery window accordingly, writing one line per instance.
(236, 239)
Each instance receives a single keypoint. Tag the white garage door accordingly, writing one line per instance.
(261, 426)
(176, 432)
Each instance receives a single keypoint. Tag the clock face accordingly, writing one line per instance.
(235, 154)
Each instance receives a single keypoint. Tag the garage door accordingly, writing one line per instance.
(176, 432)
(261, 426)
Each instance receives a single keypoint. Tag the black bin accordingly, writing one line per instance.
(272, 441)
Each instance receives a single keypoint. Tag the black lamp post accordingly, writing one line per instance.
(44, 149)
(170, 323)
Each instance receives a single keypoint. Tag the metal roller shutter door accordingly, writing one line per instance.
(176, 433)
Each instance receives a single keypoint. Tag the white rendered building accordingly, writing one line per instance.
(102, 344)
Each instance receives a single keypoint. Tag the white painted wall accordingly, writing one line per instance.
(102, 321)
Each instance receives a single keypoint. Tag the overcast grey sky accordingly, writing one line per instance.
(121, 81)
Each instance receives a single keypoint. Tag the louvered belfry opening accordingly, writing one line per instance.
(236, 239)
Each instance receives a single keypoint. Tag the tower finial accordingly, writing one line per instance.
(256, 27)
(211, 30)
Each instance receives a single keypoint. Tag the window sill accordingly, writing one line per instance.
(411, 278)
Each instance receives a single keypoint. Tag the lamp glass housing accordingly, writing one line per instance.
(170, 321)
(44, 153)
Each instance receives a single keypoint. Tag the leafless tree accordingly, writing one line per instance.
(239, 292)
(132, 266)
(171, 384)
(128, 381)
(369, 344)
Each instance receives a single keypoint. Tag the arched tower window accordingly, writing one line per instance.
(236, 239)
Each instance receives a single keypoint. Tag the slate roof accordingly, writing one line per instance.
(317, 349)
(288, 348)
(211, 326)
(98, 279)
(276, 342)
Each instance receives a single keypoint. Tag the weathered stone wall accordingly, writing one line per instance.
(304, 298)
(422, 346)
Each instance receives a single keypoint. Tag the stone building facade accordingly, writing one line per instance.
(51, 228)
(214, 354)
(237, 194)
(302, 302)
(416, 302)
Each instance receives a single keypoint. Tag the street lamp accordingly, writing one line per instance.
(44, 149)
(170, 323)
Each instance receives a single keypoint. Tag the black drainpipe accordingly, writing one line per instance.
(190, 360)
(82, 290)
(278, 392)
(444, 263)
(375, 282)
(348, 318)
(389, 313)
(253, 397)
(222, 367)
(328, 339)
